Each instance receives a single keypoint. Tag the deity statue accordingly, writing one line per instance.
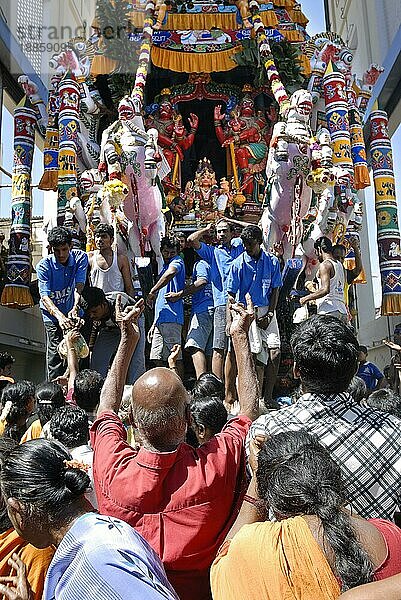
(173, 137)
(203, 192)
(244, 134)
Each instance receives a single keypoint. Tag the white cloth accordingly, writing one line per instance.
(263, 340)
(334, 300)
(108, 280)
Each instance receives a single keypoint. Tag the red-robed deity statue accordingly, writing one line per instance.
(245, 134)
(174, 139)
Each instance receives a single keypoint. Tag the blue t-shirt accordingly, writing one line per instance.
(258, 277)
(220, 259)
(58, 281)
(202, 300)
(171, 312)
(370, 374)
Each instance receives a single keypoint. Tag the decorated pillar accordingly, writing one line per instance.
(388, 235)
(67, 156)
(336, 106)
(16, 293)
(49, 180)
(358, 150)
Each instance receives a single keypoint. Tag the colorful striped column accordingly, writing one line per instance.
(336, 106)
(358, 150)
(16, 293)
(68, 122)
(388, 235)
(49, 178)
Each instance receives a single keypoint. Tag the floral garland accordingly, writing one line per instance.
(277, 87)
(144, 54)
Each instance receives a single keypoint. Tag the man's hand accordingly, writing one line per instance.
(65, 323)
(264, 322)
(16, 587)
(150, 299)
(71, 337)
(128, 318)
(174, 354)
(353, 242)
(303, 300)
(241, 317)
(173, 296)
(392, 345)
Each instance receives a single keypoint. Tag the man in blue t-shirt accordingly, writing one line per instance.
(200, 333)
(369, 372)
(258, 273)
(61, 278)
(169, 316)
(219, 258)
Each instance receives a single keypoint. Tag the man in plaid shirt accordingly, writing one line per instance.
(366, 443)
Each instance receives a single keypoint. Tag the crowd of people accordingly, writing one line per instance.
(158, 459)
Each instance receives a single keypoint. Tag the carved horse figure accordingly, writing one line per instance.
(288, 165)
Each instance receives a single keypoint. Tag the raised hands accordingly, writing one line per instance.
(218, 115)
(127, 318)
(241, 317)
(174, 356)
(193, 121)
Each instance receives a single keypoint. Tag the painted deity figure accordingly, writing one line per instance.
(203, 192)
(244, 133)
(172, 137)
(287, 167)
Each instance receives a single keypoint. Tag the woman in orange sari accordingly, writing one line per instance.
(36, 560)
(312, 548)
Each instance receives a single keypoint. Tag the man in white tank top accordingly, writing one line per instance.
(109, 270)
(330, 275)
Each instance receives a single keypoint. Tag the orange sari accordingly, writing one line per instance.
(273, 561)
(36, 560)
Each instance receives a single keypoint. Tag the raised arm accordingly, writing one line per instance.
(194, 239)
(161, 283)
(189, 290)
(248, 387)
(112, 391)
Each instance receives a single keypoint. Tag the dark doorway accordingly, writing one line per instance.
(206, 143)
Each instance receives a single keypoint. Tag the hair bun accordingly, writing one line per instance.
(76, 480)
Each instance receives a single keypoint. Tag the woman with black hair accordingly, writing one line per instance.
(208, 384)
(96, 556)
(18, 401)
(312, 548)
(36, 560)
(49, 397)
(208, 417)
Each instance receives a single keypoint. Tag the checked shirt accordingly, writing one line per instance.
(364, 442)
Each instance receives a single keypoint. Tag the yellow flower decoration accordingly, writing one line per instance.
(383, 218)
